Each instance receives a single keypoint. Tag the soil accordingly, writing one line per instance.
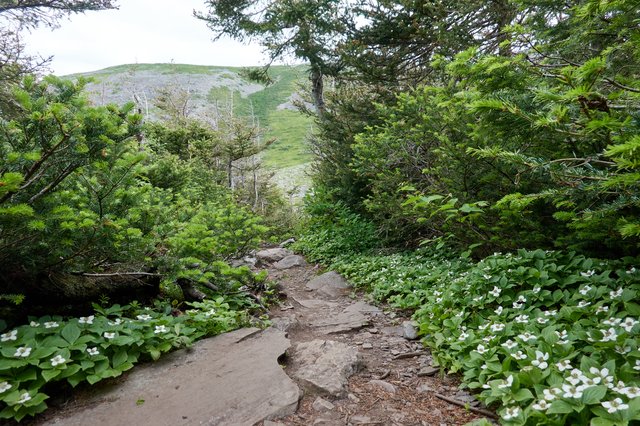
(382, 348)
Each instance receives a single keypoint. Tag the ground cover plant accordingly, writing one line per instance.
(88, 349)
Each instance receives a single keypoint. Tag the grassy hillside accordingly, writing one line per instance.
(215, 88)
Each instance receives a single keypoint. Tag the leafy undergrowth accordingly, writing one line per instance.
(544, 337)
(89, 349)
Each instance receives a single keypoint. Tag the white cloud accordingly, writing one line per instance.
(141, 31)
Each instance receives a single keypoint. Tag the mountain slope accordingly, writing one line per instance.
(211, 90)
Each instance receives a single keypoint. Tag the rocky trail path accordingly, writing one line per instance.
(328, 359)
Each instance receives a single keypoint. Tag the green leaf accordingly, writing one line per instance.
(593, 395)
(70, 332)
(119, 357)
(559, 407)
(47, 375)
(522, 395)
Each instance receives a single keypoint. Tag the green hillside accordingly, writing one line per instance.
(212, 88)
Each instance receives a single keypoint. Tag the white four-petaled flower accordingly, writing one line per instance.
(160, 329)
(509, 344)
(34, 324)
(93, 351)
(571, 391)
(536, 290)
(540, 360)
(628, 324)
(86, 320)
(519, 355)
(551, 313)
(108, 335)
(23, 351)
(616, 294)
(550, 394)
(637, 366)
(510, 413)
(541, 320)
(541, 405)
(50, 324)
(522, 319)
(12, 335)
(24, 398)
(588, 273)
(144, 317)
(564, 365)
(575, 376)
(602, 309)
(506, 383)
(583, 304)
(527, 337)
(57, 360)
(496, 291)
(584, 290)
(609, 335)
(4, 386)
(615, 405)
(498, 310)
(497, 327)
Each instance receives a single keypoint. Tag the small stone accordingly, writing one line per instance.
(424, 388)
(290, 262)
(409, 331)
(360, 420)
(394, 352)
(321, 404)
(385, 386)
(353, 398)
(428, 371)
(367, 346)
(374, 330)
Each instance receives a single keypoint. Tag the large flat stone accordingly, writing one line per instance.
(272, 255)
(331, 284)
(325, 365)
(351, 318)
(290, 262)
(231, 379)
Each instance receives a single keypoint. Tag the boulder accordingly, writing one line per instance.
(290, 262)
(272, 255)
(331, 284)
(325, 365)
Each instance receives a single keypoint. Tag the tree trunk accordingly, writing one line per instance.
(317, 90)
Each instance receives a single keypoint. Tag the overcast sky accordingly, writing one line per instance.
(141, 31)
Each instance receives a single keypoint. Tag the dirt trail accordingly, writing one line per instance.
(391, 383)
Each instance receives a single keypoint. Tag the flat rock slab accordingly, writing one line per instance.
(325, 365)
(290, 262)
(231, 379)
(331, 284)
(351, 318)
(272, 255)
(315, 303)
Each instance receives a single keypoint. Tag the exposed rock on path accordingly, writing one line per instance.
(231, 379)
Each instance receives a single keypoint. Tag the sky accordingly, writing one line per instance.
(141, 31)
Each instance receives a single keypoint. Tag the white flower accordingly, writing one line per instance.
(160, 329)
(23, 351)
(623, 349)
(619, 388)
(34, 324)
(510, 413)
(496, 291)
(571, 391)
(144, 317)
(541, 360)
(550, 394)
(590, 381)
(609, 335)
(506, 383)
(541, 320)
(212, 312)
(519, 355)
(12, 335)
(583, 304)
(498, 310)
(488, 338)
(463, 336)
(616, 294)
(562, 342)
(612, 321)
(587, 274)
(637, 366)
(575, 376)
(24, 398)
(108, 335)
(522, 299)
(551, 313)
(522, 319)
(483, 327)
(602, 309)
(497, 327)
(484, 367)
(615, 405)
(631, 391)
(509, 344)
(50, 324)
(486, 386)
(541, 405)
(437, 293)
(486, 277)
(603, 373)
(438, 300)
(632, 270)
(562, 335)
(584, 290)
(118, 321)
(4, 386)
(477, 299)
(628, 324)
(86, 320)
(536, 290)
(517, 305)
(93, 351)
(527, 337)
(563, 365)
(57, 360)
